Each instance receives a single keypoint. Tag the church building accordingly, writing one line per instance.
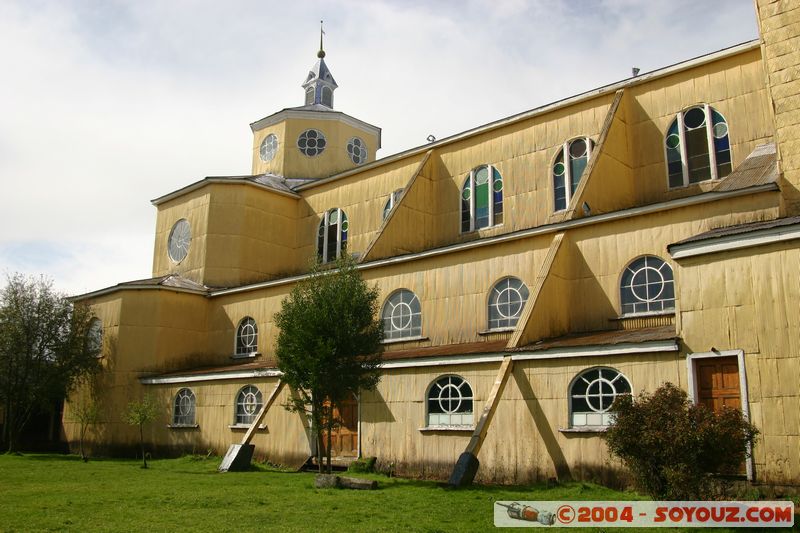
(640, 233)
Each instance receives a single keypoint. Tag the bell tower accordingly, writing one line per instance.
(319, 84)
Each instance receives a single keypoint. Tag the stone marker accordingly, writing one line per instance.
(464, 471)
(331, 481)
(326, 481)
(237, 459)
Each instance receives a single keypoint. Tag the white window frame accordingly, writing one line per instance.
(743, 395)
(236, 405)
(410, 336)
(472, 196)
(244, 355)
(489, 305)
(470, 398)
(391, 202)
(568, 168)
(324, 223)
(586, 427)
(671, 311)
(712, 152)
(175, 423)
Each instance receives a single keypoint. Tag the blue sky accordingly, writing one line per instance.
(105, 105)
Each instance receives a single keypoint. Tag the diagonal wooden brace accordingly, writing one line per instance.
(257, 422)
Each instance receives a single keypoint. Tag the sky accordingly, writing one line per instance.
(105, 105)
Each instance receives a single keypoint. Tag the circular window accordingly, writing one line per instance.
(179, 239)
(593, 393)
(311, 142)
(269, 147)
(450, 402)
(357, 150)
(694, 118)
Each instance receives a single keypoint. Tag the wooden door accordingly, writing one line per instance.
(718, 382)
(344, 438)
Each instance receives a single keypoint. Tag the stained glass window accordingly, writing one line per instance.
(311, 142)
(268, 148)
(357, 150)
(482, 199)
(567, 172)
(391, 202)
(697, 149)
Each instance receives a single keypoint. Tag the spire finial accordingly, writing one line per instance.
(321, 52)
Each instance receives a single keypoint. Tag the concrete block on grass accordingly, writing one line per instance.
(237, 458)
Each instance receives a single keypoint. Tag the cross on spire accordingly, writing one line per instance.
(321, 52)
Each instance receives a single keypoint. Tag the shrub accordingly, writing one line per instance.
(672, 446)
(364, 465)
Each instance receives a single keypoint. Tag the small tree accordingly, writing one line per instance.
(140, 413)
(45, 349)
(672, 445)
(86, 413)
(329, 346)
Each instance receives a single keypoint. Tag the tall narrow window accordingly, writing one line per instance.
(94, 337)
(246, 338)
(402, 315)
(391, 202)
(647, 286)
(450, 402)
(506, 301)
(310, 96)
(332, 235)
(591, 395)
(183, 413)
(482, 199)
(248, 404)
(327, 96)
(697, 147)
(568, 168)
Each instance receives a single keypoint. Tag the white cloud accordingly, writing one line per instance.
(105, 105)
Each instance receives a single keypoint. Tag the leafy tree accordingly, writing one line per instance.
(329, 346)
(139, 413)
(672, 446)
(86, 412)
(45, 350)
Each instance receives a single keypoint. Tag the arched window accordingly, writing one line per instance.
(310, 96)
(450, 402)
(591, 395)
(332, 235)
(246, 338)
(697, 146)
(567, 172)
(248, 404)
(506, 301)
(94, 337)
(391, 202)
(482, 199)
(647, 286)
(402, 315)
(183, 413)
(327, 96)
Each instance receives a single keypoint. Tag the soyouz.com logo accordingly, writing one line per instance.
(643, 514)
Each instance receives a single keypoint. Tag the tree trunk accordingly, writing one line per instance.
(316, 421)
(330, 426)
(141, 441)
(80, 443)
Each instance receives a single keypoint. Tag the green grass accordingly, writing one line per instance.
(61, 493)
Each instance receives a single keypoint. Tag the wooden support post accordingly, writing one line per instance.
(254, 426)
(467, 465)
(239, 455)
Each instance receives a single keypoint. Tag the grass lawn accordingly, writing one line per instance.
(57, 493)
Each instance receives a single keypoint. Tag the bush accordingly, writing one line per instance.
(672, 446)
(364, 465)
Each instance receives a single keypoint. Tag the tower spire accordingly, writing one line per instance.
(321, 52)
(319, 84)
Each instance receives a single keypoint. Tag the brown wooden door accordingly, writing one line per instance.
(718, 382)
(344, 438)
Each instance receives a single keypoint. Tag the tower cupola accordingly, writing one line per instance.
(319, 84)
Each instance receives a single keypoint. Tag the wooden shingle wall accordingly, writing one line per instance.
(751, 301)
(779, 24)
